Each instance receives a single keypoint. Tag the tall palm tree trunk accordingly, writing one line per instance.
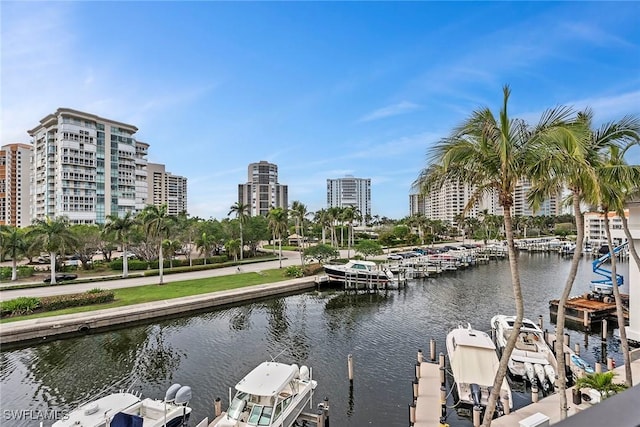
(160, 263)
(52, 267)
(560, 320)
(619, 311)
(241, 243)
(511, 342)
(125, 262)
(14, 267)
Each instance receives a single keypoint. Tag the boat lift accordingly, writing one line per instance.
(603, 287)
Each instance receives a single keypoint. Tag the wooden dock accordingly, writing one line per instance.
(428, 405)
(586, 312)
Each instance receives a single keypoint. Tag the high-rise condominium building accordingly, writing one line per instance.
(86, 167)
(262, 190)
(166, 188)
(350, 191)
(15, 175)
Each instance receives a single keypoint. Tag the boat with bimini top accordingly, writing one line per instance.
(273, 394)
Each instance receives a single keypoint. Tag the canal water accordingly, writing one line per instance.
(212, 351)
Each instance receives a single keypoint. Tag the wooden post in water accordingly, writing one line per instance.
(432, 350)
(586, 322)
(443, 402)
(320, 417)
(540, 322)
(535, 396)
(567, 340)
(576, 348)
(604, 329)
(412, 414)
(477, 410)
(350, 367)
(217, 406)
(505, 404)
(610, 364)
(415, 389)
(420, 356)
(598, 367)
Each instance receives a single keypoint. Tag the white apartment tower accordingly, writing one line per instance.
(262, 190)
(166, 188)
(350, 191)
(15, 176)
(86, 167)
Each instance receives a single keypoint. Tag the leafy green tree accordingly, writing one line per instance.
(241, 211)
(156, 222)
(53, 236)
(14, 245)
(232, 247)
(121, 228)
(368, 248)
(321, 252)
(256, 230)
(205, 244)
(88, 240)
(492, 154)
(278, 224)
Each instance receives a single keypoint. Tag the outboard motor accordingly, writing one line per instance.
(171, 392)
(476, 394)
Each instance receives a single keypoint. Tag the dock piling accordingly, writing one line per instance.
(412, 414)
(610, 364)
(417, 369)
(505, 404)
(567, 340)
(420, 356)
(432, 350)
(217, 406)
(477, 410)
(576, 348)
(350, 367)
(415, 389)
(598, 367)
(535, 396)
(540, 322)
(604, 329)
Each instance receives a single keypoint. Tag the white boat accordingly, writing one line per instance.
(272, 395)
(128, 409)
(474, 363)
(358, 274)
(531, 359)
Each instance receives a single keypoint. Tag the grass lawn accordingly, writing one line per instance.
(148, 293)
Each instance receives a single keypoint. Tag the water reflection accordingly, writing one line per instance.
(212, 351)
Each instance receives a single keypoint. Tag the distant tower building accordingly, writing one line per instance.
(85, 167)
(15, 180)
(164, 187)
(262, 190)
(350, 191)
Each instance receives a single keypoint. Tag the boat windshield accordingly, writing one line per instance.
(237, 405)
(260, 415)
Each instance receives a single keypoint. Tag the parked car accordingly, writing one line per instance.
(395, 256)
(61, 277)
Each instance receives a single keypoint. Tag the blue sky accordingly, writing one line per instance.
(322, 89)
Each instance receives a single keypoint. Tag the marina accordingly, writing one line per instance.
(213, 349)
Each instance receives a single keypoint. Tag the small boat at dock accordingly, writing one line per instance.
(474, 363)
(531, 359)
(125, 409)
(358, 274)
(272, 395)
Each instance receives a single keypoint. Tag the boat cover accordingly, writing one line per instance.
(474, 365)
(267, 379)
(126, 420)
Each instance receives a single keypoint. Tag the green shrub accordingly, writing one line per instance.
(23, 271)
(18, 306)
(132, 265)
(58, 302)
(95, 291)
(294, 271)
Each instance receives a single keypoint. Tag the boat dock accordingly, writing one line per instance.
(587, 312)
(429, 407)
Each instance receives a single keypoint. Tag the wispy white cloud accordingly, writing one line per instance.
(403, 107)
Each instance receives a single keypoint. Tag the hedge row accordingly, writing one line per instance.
(23, 271)
(27, 305)
(135, 264)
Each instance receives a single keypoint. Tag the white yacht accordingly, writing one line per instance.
(474, 363)
(360, 274)
(531, 359)
(128, 409)
(272, 395)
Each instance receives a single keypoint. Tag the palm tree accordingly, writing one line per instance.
(602, 382)
(156, 224)
(323, 218)
(13, 244)
(349, 214)
(205, 244)
(121, 227)
(299, 213)
(572, 160)
(54, 236)
(242, 214)
(491, 155)
(278, 224)
(616, 179)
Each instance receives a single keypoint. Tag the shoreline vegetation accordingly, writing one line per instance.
(149, 293)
